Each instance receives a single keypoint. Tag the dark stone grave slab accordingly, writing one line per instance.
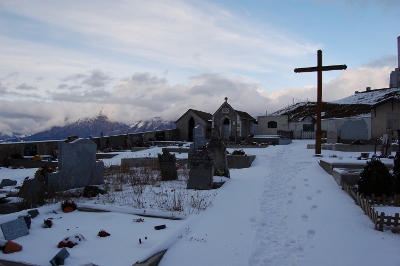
(201, 171)
(167, 166)
(59, 258)
(14, 229)
(8, 182)
(33, 213)
(218, 150)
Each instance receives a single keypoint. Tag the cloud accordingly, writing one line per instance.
(65, 86)
(97, 79)
(74, 77)
(145, 95)
(3, 89)
(389, 60)
(26, 87)
(13, 74)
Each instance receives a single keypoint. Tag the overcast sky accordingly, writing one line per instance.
(65, 60)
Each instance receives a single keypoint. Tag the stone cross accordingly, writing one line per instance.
(319, 68)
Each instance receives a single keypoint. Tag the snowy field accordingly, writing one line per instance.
(284, 210)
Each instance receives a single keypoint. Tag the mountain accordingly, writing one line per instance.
(101, 124)
(358, 104)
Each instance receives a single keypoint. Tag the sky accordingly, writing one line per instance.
(65, 60)
(301, 218)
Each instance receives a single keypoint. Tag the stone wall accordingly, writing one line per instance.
(43, 148)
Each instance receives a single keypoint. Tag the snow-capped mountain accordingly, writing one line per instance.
(87, 127)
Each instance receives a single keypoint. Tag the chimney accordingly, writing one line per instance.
(266, 112)
(368, 89)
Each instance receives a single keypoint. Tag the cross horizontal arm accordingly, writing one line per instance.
(322, 68)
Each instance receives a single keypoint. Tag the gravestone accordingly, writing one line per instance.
(167, 163)
(201, 170)
(59, 258)
(8, 182)
(198, 137)
(354, 129)
(33, 213)
(33, 191)
(14, 229)
(218, 150)
(77, 166)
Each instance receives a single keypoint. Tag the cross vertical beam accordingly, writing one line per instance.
(319, 68)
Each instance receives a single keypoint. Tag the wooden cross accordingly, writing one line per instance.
(319, 68)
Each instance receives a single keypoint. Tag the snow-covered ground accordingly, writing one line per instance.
(283, 210)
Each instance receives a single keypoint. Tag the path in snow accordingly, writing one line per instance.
(275, 243)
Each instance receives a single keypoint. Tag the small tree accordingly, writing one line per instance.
(375, 178)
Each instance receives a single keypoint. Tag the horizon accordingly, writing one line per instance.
(64, 61)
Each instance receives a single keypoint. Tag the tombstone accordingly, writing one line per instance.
(331, 136)
(77, 166)
(354, 129)
(201, 170)
(33, 213)
(8, 182)
(167, 163)
(198, 137)
(33, 191)
(59, 258)
(218, 150)
(14, 229)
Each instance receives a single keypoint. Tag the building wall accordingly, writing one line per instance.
(183, 125)
(298, 125)
(281, 120)
(379, 122)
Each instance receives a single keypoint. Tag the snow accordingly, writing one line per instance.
(283, 210)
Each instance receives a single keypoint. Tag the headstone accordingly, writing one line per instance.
(198, 137)
(354, 129)
(33, 191)
(218, 150)
(331, 131)
(33, 213)
(8, 182)
(201, 170)
(77, 166)
(14, 229)
(60, 257)
(167, 163)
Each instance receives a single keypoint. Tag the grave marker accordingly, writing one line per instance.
(319, 68)
(77, 166)
(14, 229)
(198, 137)
(201, 170)
(167, 163)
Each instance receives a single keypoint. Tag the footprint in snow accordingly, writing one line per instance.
(304, 217)
(314, 207)
(319, 191)
(311, 233)
(309, 197)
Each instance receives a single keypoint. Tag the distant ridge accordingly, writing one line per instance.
(87, 127)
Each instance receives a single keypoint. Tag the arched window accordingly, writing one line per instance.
(272, 124)
(226, 121)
